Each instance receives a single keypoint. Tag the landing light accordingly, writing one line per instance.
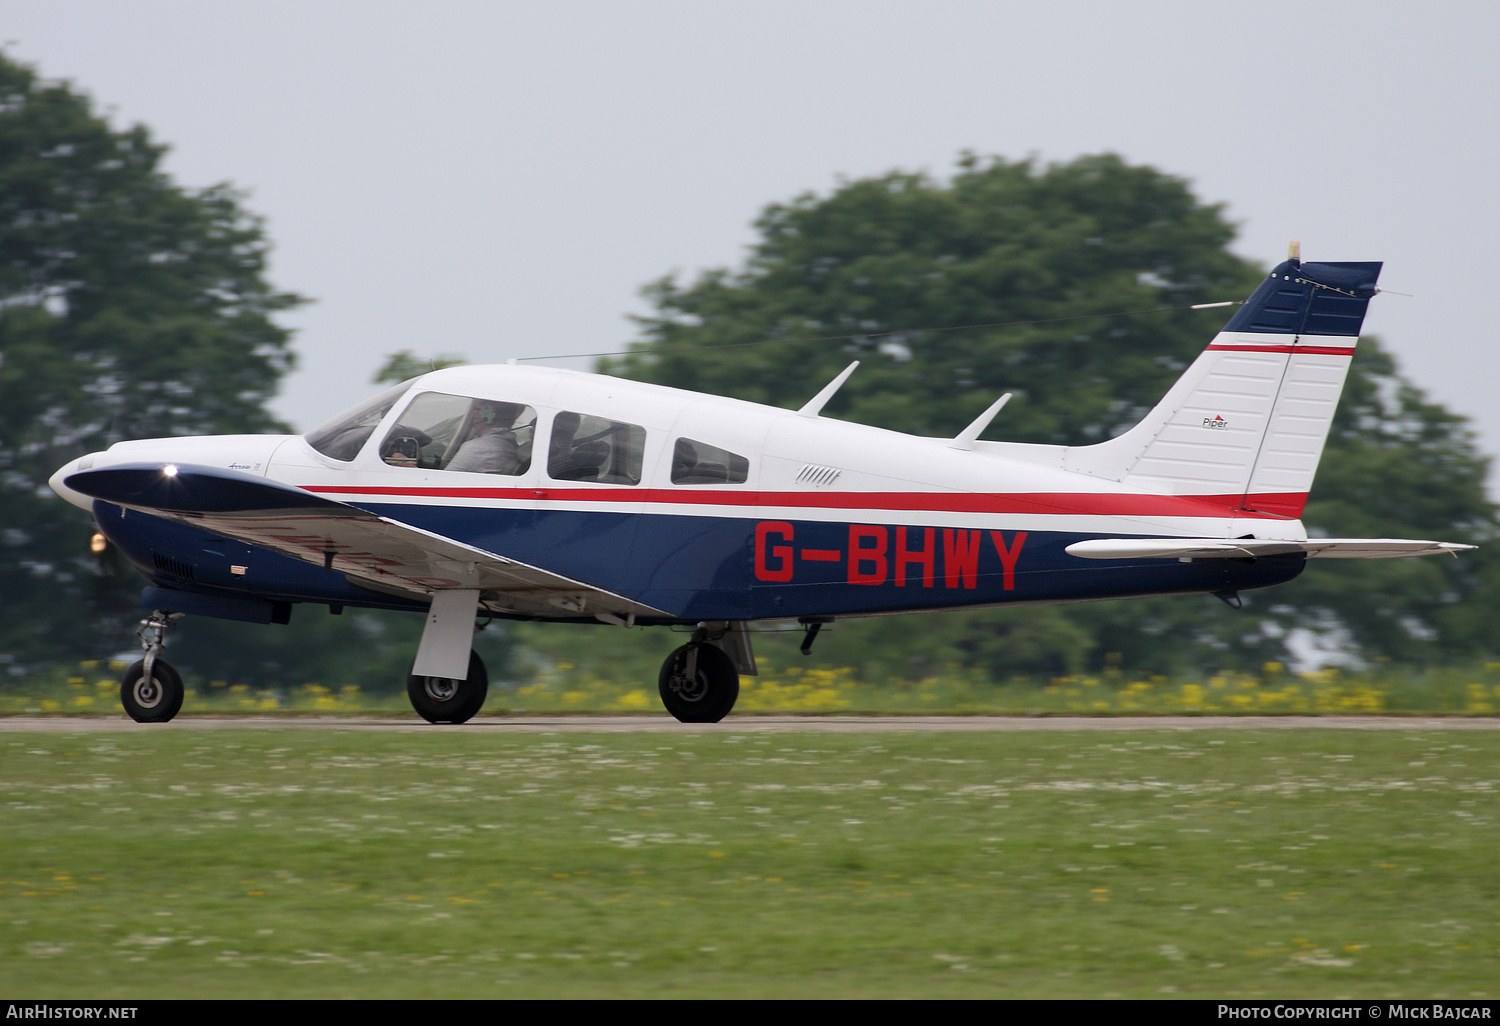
(170, 470)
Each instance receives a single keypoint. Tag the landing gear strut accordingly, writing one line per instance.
(442, 700)
(699, 683)
(151, 689)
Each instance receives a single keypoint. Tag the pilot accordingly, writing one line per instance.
(491, 447)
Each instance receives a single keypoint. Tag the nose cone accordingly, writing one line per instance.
(67, 470)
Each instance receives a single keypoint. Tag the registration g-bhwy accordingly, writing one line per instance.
(542, 494)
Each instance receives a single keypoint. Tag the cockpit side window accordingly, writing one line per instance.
(587, 448)
(696, 462)
(453, 432)
(342, 437)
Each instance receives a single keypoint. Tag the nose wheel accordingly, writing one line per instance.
(152, 696)
(151, 689)
(699, 684)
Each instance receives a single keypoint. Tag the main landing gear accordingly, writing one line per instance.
(151, 689)
(699, 682)
(442, 700)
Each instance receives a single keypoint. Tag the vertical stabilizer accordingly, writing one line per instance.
(1246, 423)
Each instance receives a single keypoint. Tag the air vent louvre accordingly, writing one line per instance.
(818, 477)
(176, 568)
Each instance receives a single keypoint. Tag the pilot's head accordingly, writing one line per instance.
(487, 415)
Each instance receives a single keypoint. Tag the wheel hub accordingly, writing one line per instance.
(148, 693)
(440, 689)
(689, 689)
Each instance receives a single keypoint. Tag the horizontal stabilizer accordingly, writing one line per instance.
(1252, 548)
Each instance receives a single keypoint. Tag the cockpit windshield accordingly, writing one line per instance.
(343, 436)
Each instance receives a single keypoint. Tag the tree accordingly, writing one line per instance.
(881, 259)
(130, 307)
(398, 367)
(888, 270)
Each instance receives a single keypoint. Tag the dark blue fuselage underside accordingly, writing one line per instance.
(706, 567)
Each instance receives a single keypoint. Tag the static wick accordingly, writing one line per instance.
(1210, 306)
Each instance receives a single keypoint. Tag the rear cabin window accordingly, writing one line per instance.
(586, 448)
(696, 462)
(453, 432)
(343, 436)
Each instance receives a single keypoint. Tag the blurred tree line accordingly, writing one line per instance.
(131, 307)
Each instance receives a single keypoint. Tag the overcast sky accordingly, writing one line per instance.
(498, 179)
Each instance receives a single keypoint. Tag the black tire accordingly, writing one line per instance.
(441, 700)
(153, 701)
(708, 697)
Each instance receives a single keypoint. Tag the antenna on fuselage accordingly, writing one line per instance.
(965, 439)
(812, 407)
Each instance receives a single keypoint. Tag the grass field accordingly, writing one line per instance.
(359, 863)
(800, 687)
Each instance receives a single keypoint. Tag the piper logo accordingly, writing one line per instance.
(1215, 423)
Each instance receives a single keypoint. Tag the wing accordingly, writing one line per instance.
(380, 554)
(1251, 548)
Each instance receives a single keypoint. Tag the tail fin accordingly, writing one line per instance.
(1245, 424)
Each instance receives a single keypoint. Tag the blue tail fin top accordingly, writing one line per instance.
(1309, 299)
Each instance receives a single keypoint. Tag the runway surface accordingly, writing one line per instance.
(662, 724)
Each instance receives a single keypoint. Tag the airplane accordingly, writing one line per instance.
(544, 494)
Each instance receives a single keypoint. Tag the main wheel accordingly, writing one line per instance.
(443, 700)
(705, 696)
(155, 700)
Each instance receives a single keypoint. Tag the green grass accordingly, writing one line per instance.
(803, 687)
(326, 863)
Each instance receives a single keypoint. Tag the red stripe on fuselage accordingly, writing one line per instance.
(1270, 505)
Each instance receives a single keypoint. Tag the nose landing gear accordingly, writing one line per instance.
(151, 689)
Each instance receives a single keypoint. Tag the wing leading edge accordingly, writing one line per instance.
(375, 552)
